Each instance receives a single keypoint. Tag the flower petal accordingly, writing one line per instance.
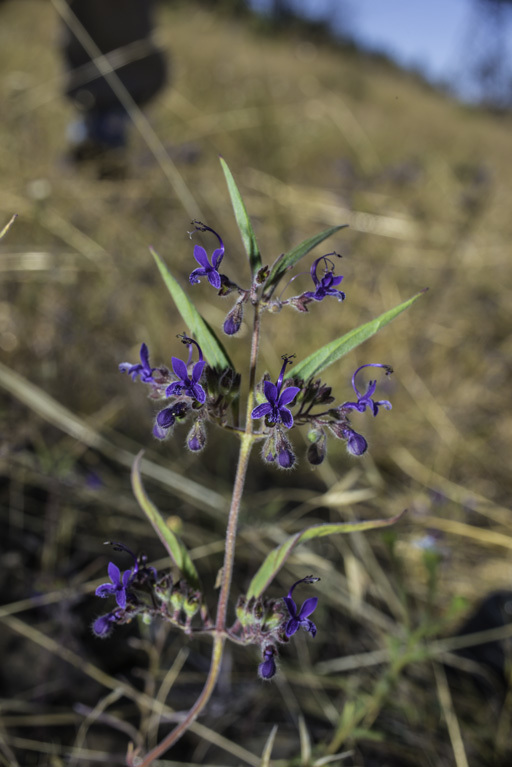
(121, 598)
(105, 590)
(197, 371)
(288, 395)
(292, 607)
(286, 417)
(270, 391)
(114, 573)
(127, 576)
(193, 277)
(198, 393)
(310, 627)
(217, 257)
(261, 410)
(180, 369)
(214, 279)
(144, 357)
(292, 627)
(175, 389)
(201, 256)
(308, 607)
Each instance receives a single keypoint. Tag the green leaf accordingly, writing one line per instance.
(333, 351)
(290, 258)
(213, 350)
(175, 548)
(278, 556)
(243, 221)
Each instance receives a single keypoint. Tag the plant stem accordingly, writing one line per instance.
(246, 443)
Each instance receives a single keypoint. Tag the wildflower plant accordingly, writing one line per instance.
(204, 389)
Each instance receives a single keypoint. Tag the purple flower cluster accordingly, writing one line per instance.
(297, 618)
(122, 587)
(274, 410)
(300, 618)
(186, 385)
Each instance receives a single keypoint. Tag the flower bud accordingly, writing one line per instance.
(274, 617)
(196, 439)
(318, 447)
(163, 588)
(192, 604)
(262, 275)
(267, 669)
(229, 383)
(285, 454)
(356, 443)
(177, 598)
(240, 609)
(269, 452)
(258, 610)
(234, 319)
(166, 418)
(103, 625)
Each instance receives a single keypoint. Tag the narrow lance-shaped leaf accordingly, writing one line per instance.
(243, 221)
(289, 259)
(333, 351)
(278, 556)
(213, 350)
(175, 548)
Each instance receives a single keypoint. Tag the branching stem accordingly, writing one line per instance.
(246, 443)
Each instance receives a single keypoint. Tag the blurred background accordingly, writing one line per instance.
(388, 117)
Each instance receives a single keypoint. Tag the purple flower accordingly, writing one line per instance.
(188, 387)
(119, 585)
(326, 286)
(267, 669)
(365, 400)
(300, 619)
(274, 409)
(142, 369)
(205, 268)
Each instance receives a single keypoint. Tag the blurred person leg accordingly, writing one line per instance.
(122, 30)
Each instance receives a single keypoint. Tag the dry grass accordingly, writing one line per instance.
(315, 137)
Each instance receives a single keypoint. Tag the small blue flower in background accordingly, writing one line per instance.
(268, 668)
(274, 409)
(326, 286)
(119, 584)
(142, 369)
(188, 386)
(300, 619)
(201, 256)
(365, 400)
